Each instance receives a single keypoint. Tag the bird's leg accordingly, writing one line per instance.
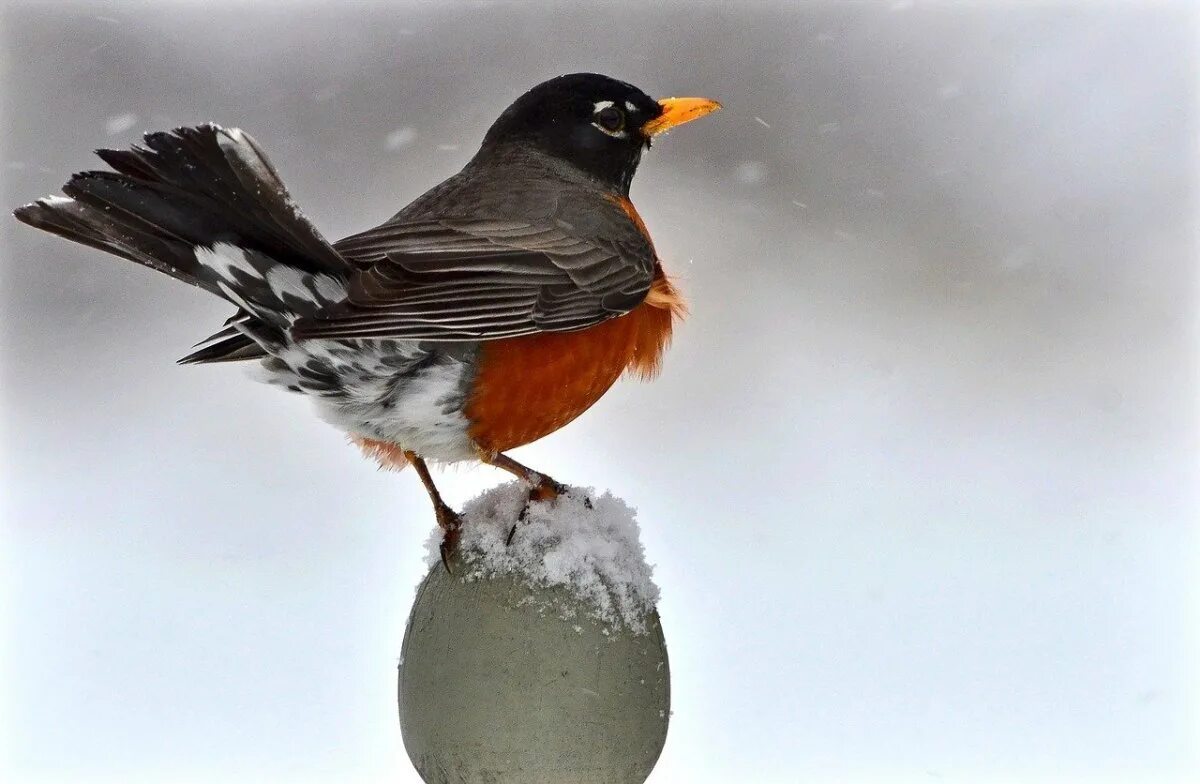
(447, 519)
(541, 487)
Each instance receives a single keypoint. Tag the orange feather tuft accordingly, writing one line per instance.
(662, 307)
(389, 456)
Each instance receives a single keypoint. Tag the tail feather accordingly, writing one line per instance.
(97, 228)
(227, 167)
(127, 162)
(228, 344)
(232, 349)
(150, 209)
(67, 218)
(205, 206)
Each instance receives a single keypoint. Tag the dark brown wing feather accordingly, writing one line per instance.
(482, 278)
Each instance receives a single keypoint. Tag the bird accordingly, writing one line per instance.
(491, 311)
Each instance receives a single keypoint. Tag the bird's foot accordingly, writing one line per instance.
(546, 489)
(451, 524)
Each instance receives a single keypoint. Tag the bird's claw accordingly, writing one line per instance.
(545, 490)
(451, 525)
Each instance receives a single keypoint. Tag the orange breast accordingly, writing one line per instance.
(530, 386)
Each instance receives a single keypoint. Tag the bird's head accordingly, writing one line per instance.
(598, 124)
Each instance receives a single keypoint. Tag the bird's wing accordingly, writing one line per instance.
(477, 278)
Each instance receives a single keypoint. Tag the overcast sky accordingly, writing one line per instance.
(918, 477)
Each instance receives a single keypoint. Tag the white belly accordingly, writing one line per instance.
(389, 391)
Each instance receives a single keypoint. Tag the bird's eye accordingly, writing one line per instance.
(610, 119)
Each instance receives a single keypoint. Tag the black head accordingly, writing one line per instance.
(591, 121)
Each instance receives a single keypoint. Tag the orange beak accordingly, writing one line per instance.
(677, 111)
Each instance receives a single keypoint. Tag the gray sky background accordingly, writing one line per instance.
(918, 478)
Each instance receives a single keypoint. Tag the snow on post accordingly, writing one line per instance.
(541, 660)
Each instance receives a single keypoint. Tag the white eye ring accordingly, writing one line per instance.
(600, 106)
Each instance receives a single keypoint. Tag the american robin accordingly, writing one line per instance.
(489, 312)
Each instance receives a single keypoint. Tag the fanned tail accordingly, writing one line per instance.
(205, 206)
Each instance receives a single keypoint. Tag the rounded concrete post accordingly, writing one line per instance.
(508, 677)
